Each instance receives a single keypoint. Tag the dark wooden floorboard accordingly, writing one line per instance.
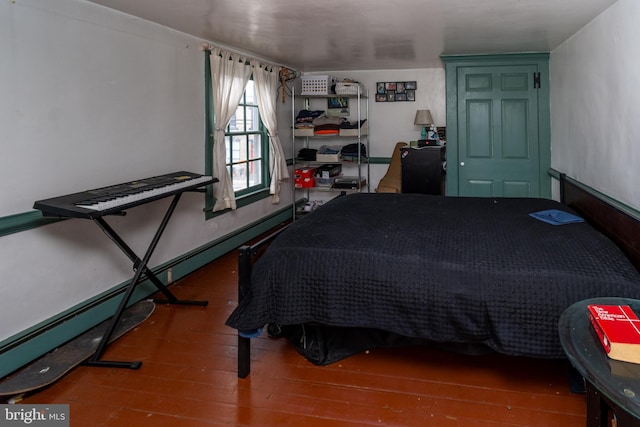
(188, 378)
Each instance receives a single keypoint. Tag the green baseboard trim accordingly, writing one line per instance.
(23, 221)
(28, 345)
(613, 202)
(379, 160)
(193, 260)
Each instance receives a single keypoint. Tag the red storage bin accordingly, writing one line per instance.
(305, 182)
(305, 173)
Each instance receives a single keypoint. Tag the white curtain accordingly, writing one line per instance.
(229, 77)
(266, 82)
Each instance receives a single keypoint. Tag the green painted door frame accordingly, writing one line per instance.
(498, 125)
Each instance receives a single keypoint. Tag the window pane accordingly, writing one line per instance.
(228, 151)
(255, 173)
(240, 148)
(237, 121)
(250, 93)
(255, 147)
(239, 176)
(252, 119)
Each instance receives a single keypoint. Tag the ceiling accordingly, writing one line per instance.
(369, 34)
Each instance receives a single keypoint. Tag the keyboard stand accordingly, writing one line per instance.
(140, 268)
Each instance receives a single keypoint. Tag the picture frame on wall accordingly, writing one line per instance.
(381, 97)
(396, 91)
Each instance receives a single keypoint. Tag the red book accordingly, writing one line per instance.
(618, 329)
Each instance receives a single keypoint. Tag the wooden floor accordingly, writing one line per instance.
(188, 378)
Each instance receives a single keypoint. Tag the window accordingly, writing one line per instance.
(247, 145)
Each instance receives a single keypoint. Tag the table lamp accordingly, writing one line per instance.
(424, 119)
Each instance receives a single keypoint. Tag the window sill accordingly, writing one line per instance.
(241, 201)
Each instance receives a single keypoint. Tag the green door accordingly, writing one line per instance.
(497, 149)
(497, 133)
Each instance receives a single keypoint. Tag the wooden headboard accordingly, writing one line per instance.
(620, 227)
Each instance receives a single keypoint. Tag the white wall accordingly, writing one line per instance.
(595, 104)
(90, 97)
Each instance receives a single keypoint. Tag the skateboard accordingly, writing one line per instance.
(55, 364)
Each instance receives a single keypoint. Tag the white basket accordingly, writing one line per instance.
(317, 85)
(328, 158)
(303, 132)
(349, 88)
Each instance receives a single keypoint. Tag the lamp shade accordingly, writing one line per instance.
(423, 117)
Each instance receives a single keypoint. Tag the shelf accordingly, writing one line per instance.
(331, 136)
(339, 162)
(334, 95)
(334, 190)
(357, 166)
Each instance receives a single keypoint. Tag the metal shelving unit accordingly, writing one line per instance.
(359, 167)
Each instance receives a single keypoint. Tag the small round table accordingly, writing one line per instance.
(612, 386)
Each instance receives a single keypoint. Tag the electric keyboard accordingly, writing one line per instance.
(95, 204)
(116, 198)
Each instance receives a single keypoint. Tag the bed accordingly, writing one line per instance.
(468, 274)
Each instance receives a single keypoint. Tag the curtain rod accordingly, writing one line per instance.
(209, 46)
(285, 74)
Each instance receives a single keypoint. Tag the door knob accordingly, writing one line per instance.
(461, 163)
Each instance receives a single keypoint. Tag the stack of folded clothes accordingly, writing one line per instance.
(328, 154)
(326, 149)
(350, 152)
(304, 119)
(307, 154)
(327, 125)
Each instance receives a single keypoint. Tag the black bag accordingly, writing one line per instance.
(323, 345)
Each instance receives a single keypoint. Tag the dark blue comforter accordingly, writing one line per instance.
(477, 271)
